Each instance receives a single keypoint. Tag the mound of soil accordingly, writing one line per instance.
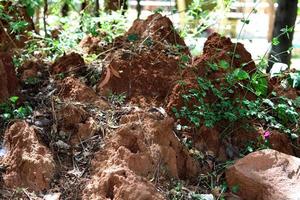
(8, 81)
(158, 29)
(28, 163)
(145, 147)
(73, 89)
(147, 68)
(68, 63)
(145, 78)
(216, 49)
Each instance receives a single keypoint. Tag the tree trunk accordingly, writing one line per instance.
(286, 14)
(65, 9)
(138, 8)
(83, 5)
(45, 16)
(97, 7)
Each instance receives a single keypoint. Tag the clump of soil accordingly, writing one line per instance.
(147, 67)
(28, 163)
(91, 44)
(68, 63)
(8, 81)
(76, 123)
(144, 148)
(31, 70)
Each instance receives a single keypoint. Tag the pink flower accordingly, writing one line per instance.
(267, 134)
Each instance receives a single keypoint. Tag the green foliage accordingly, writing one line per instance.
(32, 81)
(294, 79)
(117, 99)
(10, 110)
(31, 5)
(18, 26)
(214, 101)
(9, 15)
(132, 37)
(108, 26)
(259, 83)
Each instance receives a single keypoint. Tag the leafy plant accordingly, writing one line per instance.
(117, 99)
(211, 102)
(10, 110)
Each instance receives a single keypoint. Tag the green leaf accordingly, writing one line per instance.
(30, 11)
(269, 102)
(185, 58)
(240, 74)
(213, 66)
(158, 10)
(6, 116)
(246, 21)
(294, 136)
(224, 64)
(275, 41)
(235, 188)
(250, 149)
(132, 37)
(14, 99)
(294, 79)
(260, 84)
(297, 102)
(18, 26)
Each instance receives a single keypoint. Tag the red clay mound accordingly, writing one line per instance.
(215, 63)
(217, 48)
(8, 80)
(144, 146)
(73, 89)
(68, 63)
(158, 28)
(148, 70)
(144, 78)
(28, 163)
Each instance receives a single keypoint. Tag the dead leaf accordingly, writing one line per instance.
(115, 72)
(107, 77)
